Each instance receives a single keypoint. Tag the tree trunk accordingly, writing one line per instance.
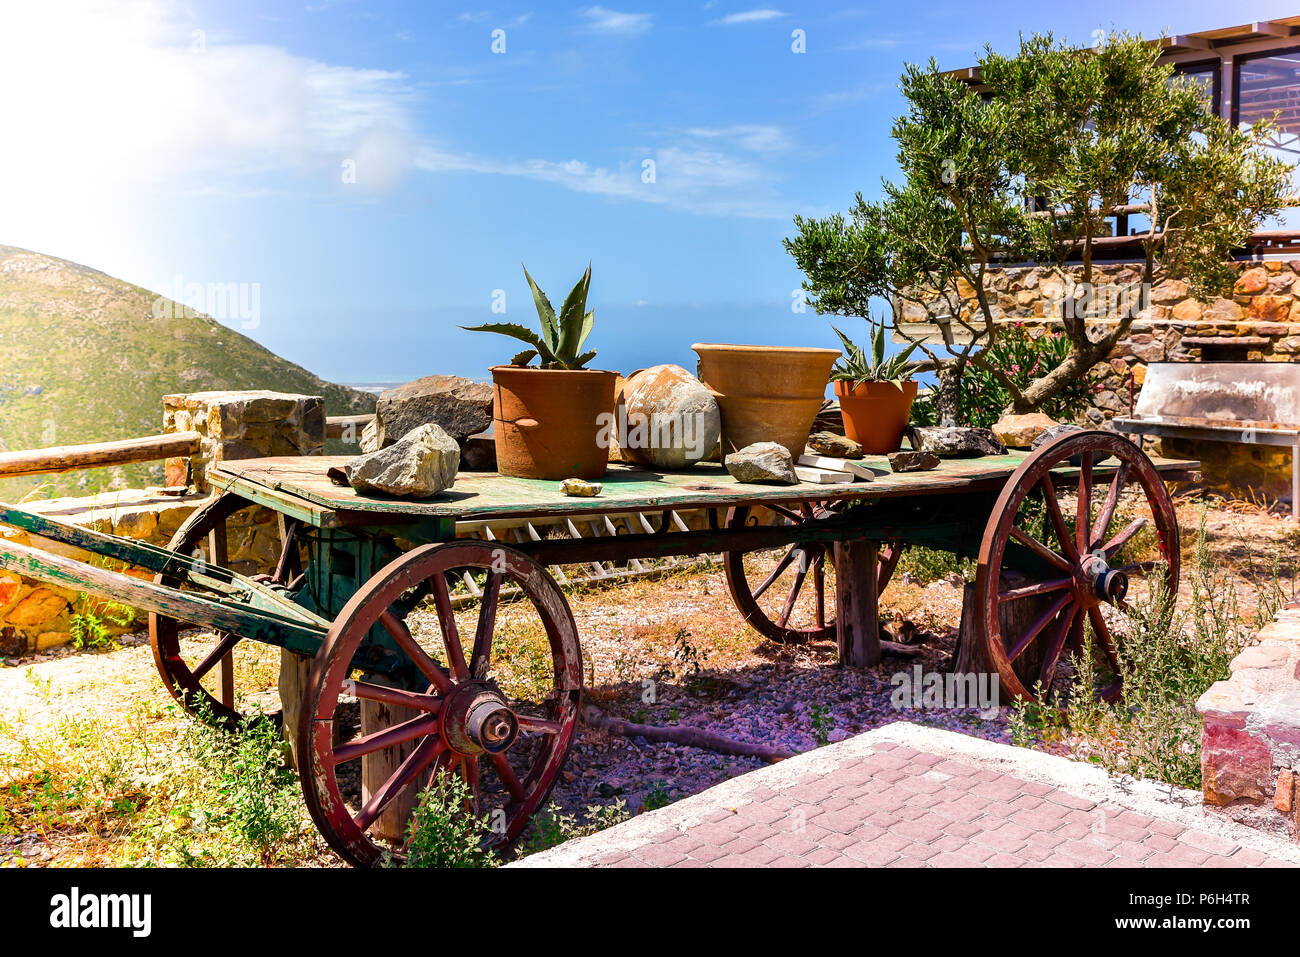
(948, 396)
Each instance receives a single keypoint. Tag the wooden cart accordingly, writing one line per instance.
(373, 597)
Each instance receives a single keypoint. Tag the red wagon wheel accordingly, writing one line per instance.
(190, 675)
(505, 736)
(1070, 560)
(772, 587)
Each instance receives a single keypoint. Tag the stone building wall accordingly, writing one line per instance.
(1259, 322)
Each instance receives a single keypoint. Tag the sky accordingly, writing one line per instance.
(368, 176)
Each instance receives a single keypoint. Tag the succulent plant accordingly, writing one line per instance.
(560, 343)
(856, 367)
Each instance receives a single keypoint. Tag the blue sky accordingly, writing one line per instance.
(209, 142)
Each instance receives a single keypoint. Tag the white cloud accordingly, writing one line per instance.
(748, 16)
(755, 138)
(601, 20)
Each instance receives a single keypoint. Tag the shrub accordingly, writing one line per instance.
(442, 831)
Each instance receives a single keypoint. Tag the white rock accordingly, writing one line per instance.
(419, 464)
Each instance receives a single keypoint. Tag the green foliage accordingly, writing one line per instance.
(658, 795)
(822, 725)
(92, 623)
(442, 832)
(1023, 358)
(932, 564)
(856, 367)
(551, 826)
(247, 790)
(1071, 132)
(561, 339)
(1173, 656)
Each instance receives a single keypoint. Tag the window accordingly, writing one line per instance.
(1269, 86)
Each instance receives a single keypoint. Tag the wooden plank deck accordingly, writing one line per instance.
(299, 487)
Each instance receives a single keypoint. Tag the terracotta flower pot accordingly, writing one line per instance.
(875, 413)
(547, 421)
(766, 393)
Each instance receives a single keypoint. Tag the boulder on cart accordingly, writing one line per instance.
(952, 442)
(1019, 431)
(420, 464)
(460, 407)
(672, 420)
(762, 462)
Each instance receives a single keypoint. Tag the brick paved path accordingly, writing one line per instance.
(904, 795)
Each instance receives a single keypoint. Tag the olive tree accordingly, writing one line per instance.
(1029, 169)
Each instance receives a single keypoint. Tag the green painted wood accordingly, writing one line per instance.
(297, 634)
(299, 486)
(197, 573)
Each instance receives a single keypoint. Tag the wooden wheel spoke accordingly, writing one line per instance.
(469, 771)
(792, 515)
(508, 777)
(219, 651)
(1083, 510)
(395, 696)
(1057, 519)
(1139, 568)
(1101, 631)
(1041, 622)
(528, 722)
(1038, 588)
(481, 656)
(447, 623)
(797, 587)
(419, 759)
(1052, 653)
(1107, 512)
(1123, 538)
(1041, 550)
(402, 635)
(387, 738)
(781, 566)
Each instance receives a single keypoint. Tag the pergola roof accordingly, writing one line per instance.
(1208, 42)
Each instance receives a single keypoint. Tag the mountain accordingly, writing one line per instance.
(85, 357)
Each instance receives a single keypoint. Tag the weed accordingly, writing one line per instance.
(659, 795)
(442, 833)
(551, 826)
(822, 725)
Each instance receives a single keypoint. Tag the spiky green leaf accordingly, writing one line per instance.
(545, 313)
(572, 317)
(523, 358)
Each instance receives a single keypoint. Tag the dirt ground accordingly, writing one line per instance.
(681, 636)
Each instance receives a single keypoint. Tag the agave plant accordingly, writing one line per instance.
(856, 367)
(561, 339)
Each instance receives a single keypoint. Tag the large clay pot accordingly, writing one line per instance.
(766, 393)
(875, 413)
(547, 421)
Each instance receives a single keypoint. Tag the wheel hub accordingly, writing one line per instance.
(476, 718)
(1104, 583)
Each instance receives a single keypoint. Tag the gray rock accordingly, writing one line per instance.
(954, 441)
(420, 464)
(1055, 432)
(913, 461)
(762, 462)
(459, 406)
(836, 446)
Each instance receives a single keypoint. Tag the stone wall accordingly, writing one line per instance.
(1250, 743)
(241, 425)
(1259, 322)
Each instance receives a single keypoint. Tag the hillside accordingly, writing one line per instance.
(84, 358)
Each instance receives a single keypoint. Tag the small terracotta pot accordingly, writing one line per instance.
(547, 421)
(875, 413)
(766, 393)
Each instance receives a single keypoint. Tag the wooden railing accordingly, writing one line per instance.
(336, 426)
(148, 448)
(70, 458)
